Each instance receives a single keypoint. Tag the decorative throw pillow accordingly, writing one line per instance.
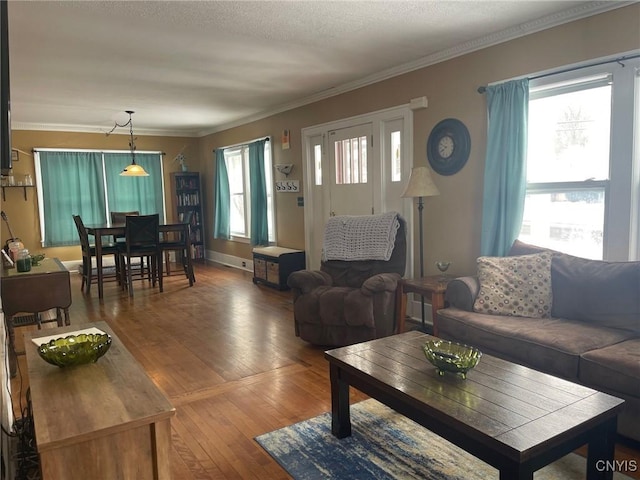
(516, 286)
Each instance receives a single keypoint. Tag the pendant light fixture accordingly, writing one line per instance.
(133, 170)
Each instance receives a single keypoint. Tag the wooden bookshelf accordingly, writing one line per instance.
(187, 194)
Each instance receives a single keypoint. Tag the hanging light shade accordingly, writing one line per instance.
(133, 170)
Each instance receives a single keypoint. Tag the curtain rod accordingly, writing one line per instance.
(243, 143)
(34, 150)
(619, 60)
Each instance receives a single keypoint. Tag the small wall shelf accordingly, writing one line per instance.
(16, 186)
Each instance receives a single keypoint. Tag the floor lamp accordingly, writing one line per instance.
(421, 185)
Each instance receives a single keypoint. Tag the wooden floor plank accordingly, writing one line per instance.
(225, 353)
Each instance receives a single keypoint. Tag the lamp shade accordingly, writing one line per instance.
(134, 170)
(420, 184)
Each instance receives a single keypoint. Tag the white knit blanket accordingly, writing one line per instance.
(367, 237)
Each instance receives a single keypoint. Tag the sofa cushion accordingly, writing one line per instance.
(615, 368)
(551, 345)
(606, 293)
(343, 317)
(603, 293)
(344, 306)
(521, 248)
(516, 286)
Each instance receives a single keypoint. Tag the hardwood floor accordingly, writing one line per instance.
(225, 354)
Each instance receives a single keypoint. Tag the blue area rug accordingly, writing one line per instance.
(386, 445)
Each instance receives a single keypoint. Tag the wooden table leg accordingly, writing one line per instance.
(600, 453)
(401, 308)
(437, 302)
(161, 446)
(340, 415)
(516, 473)
(98, 247)
(13, 361)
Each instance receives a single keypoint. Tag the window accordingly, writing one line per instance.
(396, 156)
(351, 160)
(580, 178)
(87, 183)
(317, 163)
(237, 162)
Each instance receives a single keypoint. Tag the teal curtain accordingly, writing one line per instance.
(126, 194)
(72, 184)
(505, 172)
(258, 186)
(222, 213)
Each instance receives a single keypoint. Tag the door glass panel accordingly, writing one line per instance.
(317, 162)
(351, 160)
(396, 156)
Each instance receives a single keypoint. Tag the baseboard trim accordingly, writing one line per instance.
(230, 260)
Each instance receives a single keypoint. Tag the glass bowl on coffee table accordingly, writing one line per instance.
(451, 357)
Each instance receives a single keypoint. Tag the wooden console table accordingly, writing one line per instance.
(99, 421)
(44, 287)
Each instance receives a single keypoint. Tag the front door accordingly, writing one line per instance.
(350, 166)
(355, 166)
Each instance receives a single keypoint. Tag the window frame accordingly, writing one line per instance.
(621, 229)
(105, 194)
(244, 152)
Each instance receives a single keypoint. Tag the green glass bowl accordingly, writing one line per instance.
(75, 349)
(451, 356)
(36, 259)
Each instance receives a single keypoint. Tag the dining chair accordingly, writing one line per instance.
(180, 243)
(142, 239)
(119, 218)
(89, 252)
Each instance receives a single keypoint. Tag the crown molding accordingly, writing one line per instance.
(585, 10)
(57, 127)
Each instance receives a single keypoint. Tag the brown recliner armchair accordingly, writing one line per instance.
(347, 302)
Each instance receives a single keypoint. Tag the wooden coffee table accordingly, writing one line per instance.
(512, 417)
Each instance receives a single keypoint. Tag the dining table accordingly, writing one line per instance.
(99, 230)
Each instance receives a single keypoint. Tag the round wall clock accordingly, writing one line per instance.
(448, 146)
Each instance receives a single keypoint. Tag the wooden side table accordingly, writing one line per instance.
(432, 287)
(44, 287)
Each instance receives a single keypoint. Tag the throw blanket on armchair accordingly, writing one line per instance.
(367, 237)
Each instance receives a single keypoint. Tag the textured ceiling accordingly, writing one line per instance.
(190, 68)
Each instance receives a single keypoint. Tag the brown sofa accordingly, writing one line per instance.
(592, 336)
(347, 302)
